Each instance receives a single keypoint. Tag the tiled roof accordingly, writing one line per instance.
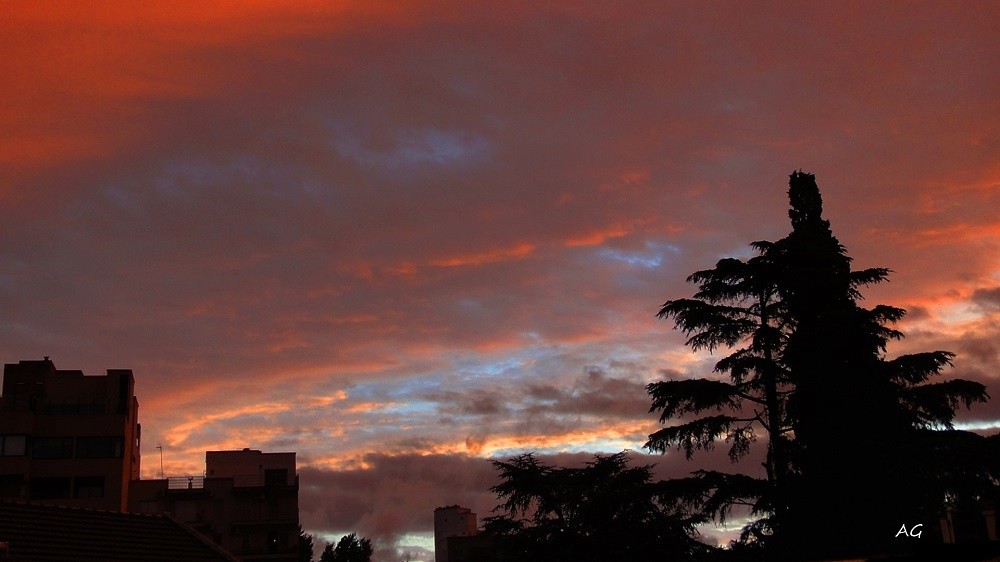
(44, 533)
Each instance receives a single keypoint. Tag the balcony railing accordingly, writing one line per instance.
(239, 481)
(185, 482)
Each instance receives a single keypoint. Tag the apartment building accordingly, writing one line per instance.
(457, 537)
(67, 438)
(246, 502)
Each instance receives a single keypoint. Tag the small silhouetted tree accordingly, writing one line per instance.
(305, 546)
(604, 511)
(348, 549)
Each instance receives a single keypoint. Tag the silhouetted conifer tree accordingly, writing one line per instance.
(856, 442)
(864, 425)
(736, 303)
(605, 511)
(348, 549)
(305, 546)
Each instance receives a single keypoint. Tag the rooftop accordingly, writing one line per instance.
(45, 533)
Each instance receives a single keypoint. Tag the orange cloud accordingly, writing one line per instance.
(957, 233)
(317, 401)
(515, 252)
(81, 79)
(598, 237)
(623, 434)
(181, 432)
(368, 407)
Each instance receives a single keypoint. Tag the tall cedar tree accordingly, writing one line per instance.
(854, 441)
(869, 456)
(736, 304)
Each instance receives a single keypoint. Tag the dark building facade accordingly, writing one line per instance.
(67, 438)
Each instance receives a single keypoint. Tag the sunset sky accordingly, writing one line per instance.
(402, 238)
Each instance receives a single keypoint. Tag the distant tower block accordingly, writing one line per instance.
(451, 521)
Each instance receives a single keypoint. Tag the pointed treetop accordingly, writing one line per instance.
(806, 202)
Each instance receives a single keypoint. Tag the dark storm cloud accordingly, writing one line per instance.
(536, 405)
(393, 494)
(989, 299)
(396, 494)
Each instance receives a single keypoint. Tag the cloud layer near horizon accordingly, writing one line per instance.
(361, 231)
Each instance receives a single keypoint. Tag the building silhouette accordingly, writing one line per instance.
(451, 521)
(247, 502)
(456, 536)
(72, 440)
(67, 438)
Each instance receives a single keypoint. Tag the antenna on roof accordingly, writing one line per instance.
(160, 447)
